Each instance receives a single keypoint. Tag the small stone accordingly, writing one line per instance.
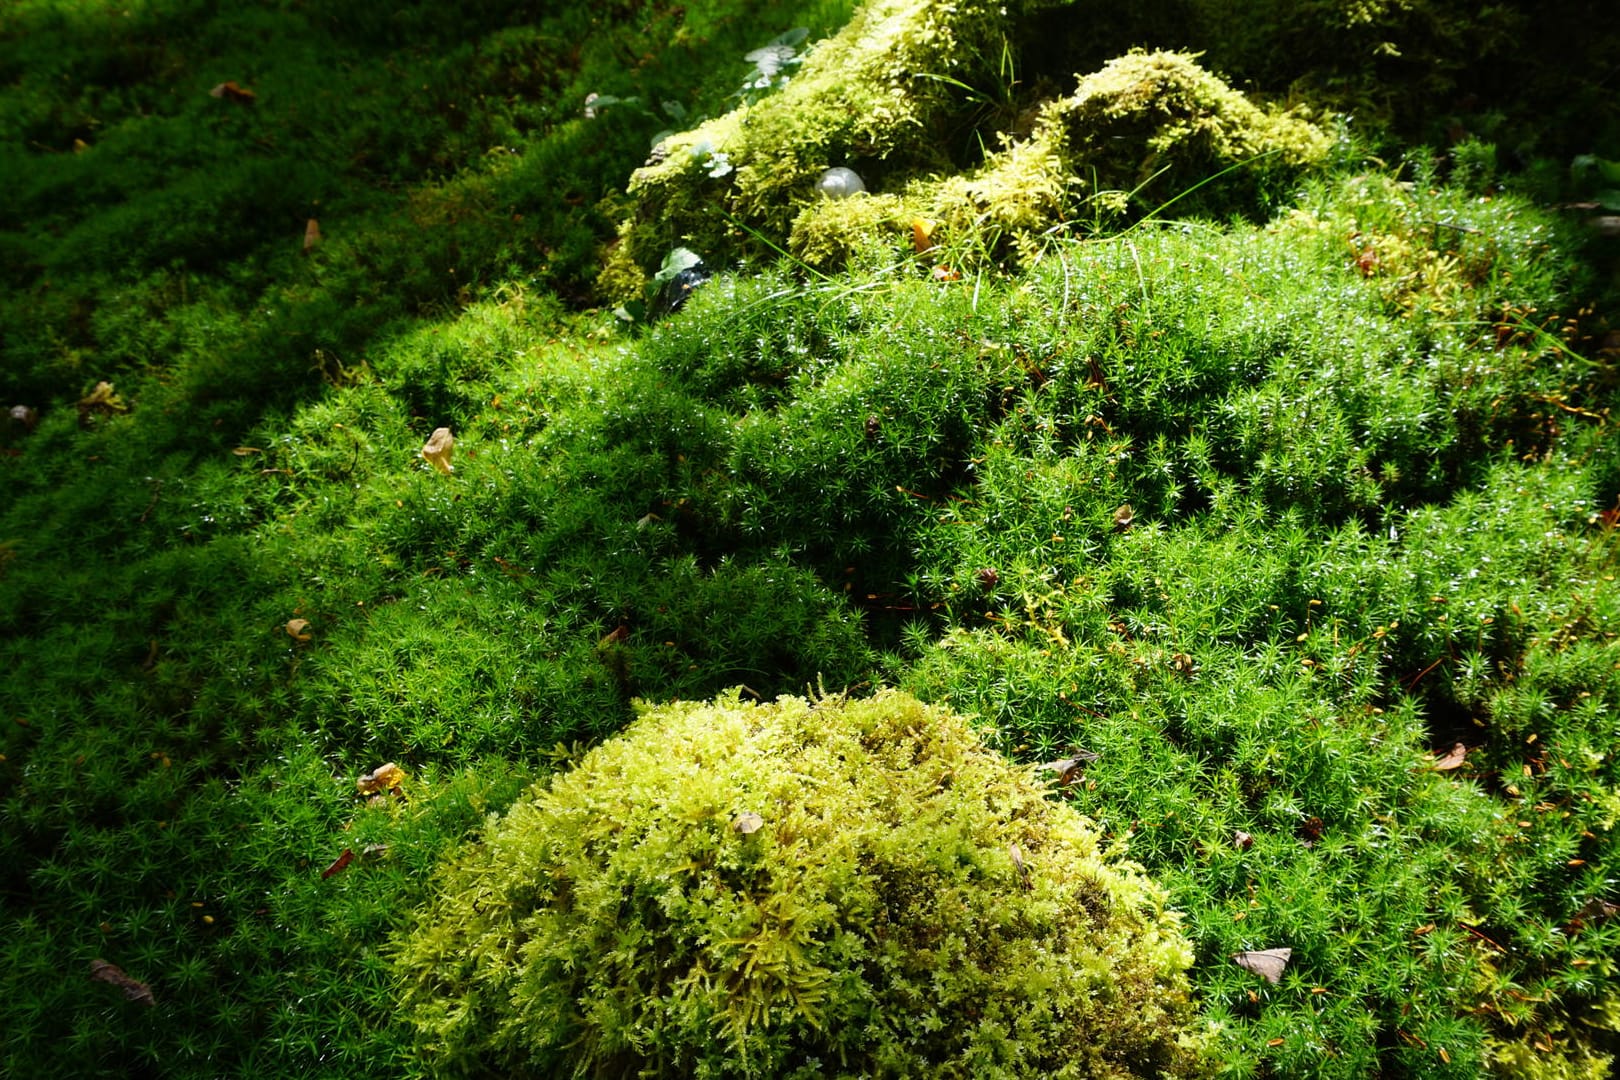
(840, 183)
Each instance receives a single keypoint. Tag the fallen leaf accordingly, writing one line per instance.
(1597, 909)
(922, 234)
(230, 91)
(614, 636)
(246, 451)
(24, 417)
(440, 445)
(298, 629)
(1453, 758)
(312, 233)
(748, 823)
(382, 778)
(339, 864)
(134, 989)
(1069, 769)
(1124, 517)
(102, 399)
(1267, 963)
(1019, 864)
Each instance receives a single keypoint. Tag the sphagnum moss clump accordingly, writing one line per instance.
(840, 887)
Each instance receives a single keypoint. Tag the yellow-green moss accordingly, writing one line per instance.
(1563, 1052)
(797, 888)
(882, 95)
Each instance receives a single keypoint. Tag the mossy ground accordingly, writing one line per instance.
(1366, 451)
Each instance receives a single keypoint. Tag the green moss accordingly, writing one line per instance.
(1563, 1051)
(1151, 124)
(856, 887)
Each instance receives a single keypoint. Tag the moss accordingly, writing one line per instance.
(889, 94)
(1152, 124)
(1573, 1051)
(857, 887)
(858, 98)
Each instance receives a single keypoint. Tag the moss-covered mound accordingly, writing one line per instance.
(838, 887)
(1153, 126)
(909, 96)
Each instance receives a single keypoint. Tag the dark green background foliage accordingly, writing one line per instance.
(1366, 448)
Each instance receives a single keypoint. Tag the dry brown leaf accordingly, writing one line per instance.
(312, 233)
(24, 417)
(339, 864)
(1019, 864)
(298, 629)
(230, 91)
(383, 778)
(440, 445)
(922, 234)
(1597, 909)
(102, 399)
(133, 989)
(1267, 963)
(1070, 769)
(1452, 759)
(748, 823)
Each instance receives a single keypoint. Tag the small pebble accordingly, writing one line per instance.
(840, 183)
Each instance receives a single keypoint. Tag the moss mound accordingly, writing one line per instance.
(797, 888)
(894, 95)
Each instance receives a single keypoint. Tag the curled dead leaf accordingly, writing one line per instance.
(383, 778)
(1267, 963)
(1019, 864)
(1597, 909)
(230, 91)
(103, 399)
(339, 864)
(1452, 759)
(748, 823)
(133, 989)
(1070, 769)
(922, 234)
(298, 630)
(440, 445)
